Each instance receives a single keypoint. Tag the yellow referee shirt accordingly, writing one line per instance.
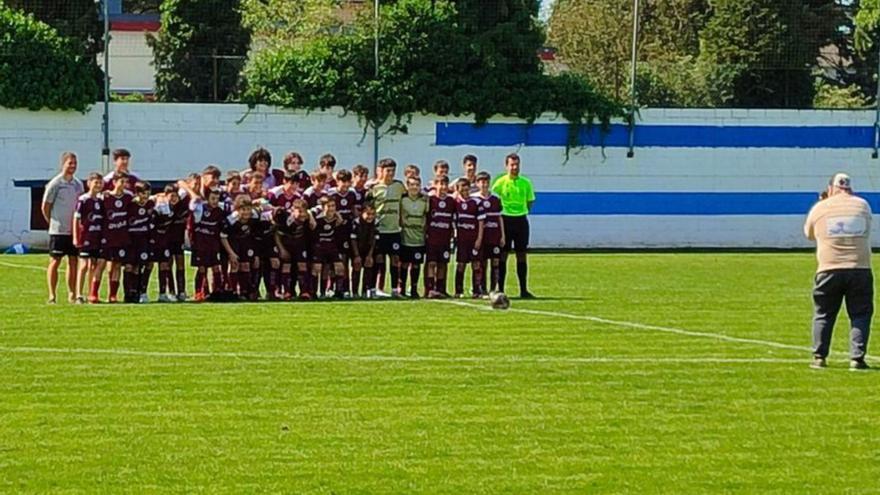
(515, 194)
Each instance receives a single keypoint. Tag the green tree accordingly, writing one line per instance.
(282, 22)
(200, 50)
(40, 68)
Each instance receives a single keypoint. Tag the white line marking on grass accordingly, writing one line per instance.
(656, 328)
(29, 267)
(403, 359)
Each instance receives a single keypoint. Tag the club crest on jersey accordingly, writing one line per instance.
(250, 252)
(118, 203)
(97, 206)
(464, 206)
(395, 246)
(305, 254)
(245, 228)
(442, 204)
(343, 202)
(445, 255)
(326, 227)
(144, 256)
(167, 252)
(496, 250)
(141, 211)
(486, 204)
(122, 253)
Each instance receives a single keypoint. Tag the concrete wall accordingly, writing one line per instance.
(699, 178)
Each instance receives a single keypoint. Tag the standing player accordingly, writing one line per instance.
(317, 190)
(88, 221)
(231, 190)
(360, 175)
(116, 206)
(493, 232)
(413, 220)
(160, 239)
(293, 163)
(121, 165)
(260, 162)
(441, 218)
(347, 205)
(385, 196)
(469, 166)
(441, 169)
(292, 228)
(207, 221)
(468, 237)
(517, 198)
(138, 264)
(177, 235)
(363, 244)
(266, 262)
(284, 195)
(325, 251)
(237, 239)
(327, 166)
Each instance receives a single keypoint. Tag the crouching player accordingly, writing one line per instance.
(292, 232)
(413, 215)
(237, 239)
(493, 232)
(441, 218)
(207, 221)
(139, 264)
(160, 240)
(114, 244)
(363, 244)
(325, 249)
(468, 236)
(88, 222)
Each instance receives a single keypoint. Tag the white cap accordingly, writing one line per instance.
(841, 181)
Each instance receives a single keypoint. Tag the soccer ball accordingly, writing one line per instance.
(499, 300)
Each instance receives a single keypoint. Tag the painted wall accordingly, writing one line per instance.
(699, 178)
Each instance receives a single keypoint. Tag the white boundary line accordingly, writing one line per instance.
(656, 328)
(395, 359)
(29, 267)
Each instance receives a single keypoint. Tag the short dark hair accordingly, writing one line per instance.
(170, 189)
(360, 170)
(441, 164)
(142, 186)
(462, 180)
(213, 191)
(387, 163)
(469, 158)
(94, 176)
(212, 170)
(483, 176)
(324, 201)
(412, 167)
(343, 176)
(293, 155)
(233, 175)
(120, 175)
(120, 152)
(289, 177)
(511, 156)
(443, 179)
(327, 160)
(257, 155)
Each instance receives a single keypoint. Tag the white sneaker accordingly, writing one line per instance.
(165, 298)
(143, 299)
(330, 294)
(181, 296)
(380, 293)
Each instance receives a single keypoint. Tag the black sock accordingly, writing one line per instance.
(404, 272)
(145, 278)
(459, 280)
(522, 273)
(414, 272)
(394, 273)
(502, 273)
(181, 282)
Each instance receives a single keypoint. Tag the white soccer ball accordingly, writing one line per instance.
(499, 300)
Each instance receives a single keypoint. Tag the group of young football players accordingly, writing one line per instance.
(285, 234)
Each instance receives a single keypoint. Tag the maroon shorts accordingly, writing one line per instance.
(205, 258)
(491, 251)
(465, 252)
(299, 252)
(160, 253)
(438, 254)
(118, 254)
(325, 256)
(138, 252)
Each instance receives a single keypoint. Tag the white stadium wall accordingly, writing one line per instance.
(699, 178)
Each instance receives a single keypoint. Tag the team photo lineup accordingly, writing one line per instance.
(283, 234)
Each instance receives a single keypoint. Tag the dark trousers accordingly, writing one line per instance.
(831, 289)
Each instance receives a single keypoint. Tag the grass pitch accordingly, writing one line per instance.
(640, 373)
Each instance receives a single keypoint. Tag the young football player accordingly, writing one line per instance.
(347, 205)
(292, 229)
(493, 232)
(327, 165)
(468, 236)
(210, 179)
(260, 161)
(231, 190)
(284, 195)
(413, 216)
(411, 170)
(237, 240)
(325, 249)
(317, 190)
(121, 164)
(177, 236)
(88, 222)
(207, 221)
(441, 169)
(139, 264)
(254, 187)
(266, 262)
(363, 244)
(115, 243)
(160, 240)
(293, 163)
(359, 176)
(385, 196)
(469, 165)
(441, 226)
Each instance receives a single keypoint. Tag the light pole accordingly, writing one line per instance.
(105, 122)
(632, 81)
(376, 76)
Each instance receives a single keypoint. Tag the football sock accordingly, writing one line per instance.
(369, 279)
(502, 273)
(414, 271)
(302, 277)
(440, 284)
(403, 274)
(244, 284)
(494, 284)
(181, 281)
(522, 273)
(270, 278)
(94, 287)
(476, 278)
(380, 276)
(429, 283)
(484, 270)
(163, 281)
(128, 283)
(356, 282)
(216, 281)
(200, 282)
(394, 273)
(145, 278)
(459, 280)
(285, 282)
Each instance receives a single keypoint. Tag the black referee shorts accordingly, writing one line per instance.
(61, 246)
(516, 234)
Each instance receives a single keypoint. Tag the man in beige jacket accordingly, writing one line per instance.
(841, 226)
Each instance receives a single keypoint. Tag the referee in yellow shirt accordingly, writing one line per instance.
(517, 197)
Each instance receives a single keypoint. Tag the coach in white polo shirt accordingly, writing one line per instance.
(841, 226)
(59, 203)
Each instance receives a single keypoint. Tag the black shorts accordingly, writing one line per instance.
(138, 255)
(326, 257)
(176, 248)
(388, 244)
(412, 254)
(491, 251)
(205, 259)
(438, 254)
(91, 254)
(516, 234)
(161, 254)
(61, 246)
(115, 254)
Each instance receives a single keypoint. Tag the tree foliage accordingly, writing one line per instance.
(200, 50)
(276, 23)
(427, 65)
(41, 69)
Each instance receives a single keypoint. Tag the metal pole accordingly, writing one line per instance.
(877, 111)
(105, 125)
(376, 76)
(632, 81)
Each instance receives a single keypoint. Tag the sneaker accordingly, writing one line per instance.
(818, 363)
(370, 294)
(858, 365)
(435, 295)
(348, 295)
(79, 300)
(143, 299)
(458, 295)
(395, 293)
(71, 298)
(305, 296)
(165, 298)
(181, 296)
(112, 300)
(414, 295)
(199, 297)
(378, 293)
(93, 299)
(51, 300)
(526, 295)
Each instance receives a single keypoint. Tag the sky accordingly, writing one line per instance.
(545, 9)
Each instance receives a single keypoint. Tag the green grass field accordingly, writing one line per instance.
(638, 373)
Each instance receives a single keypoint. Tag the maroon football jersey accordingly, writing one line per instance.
(324, 237)
(490, 207)
(312, 196)
(441, 220)
(346, 204)
(139, 216)
(181, 216)
(162, 222)
(240, 234)
(129, 186)
(468, 218)
(279, 199)
(116, 211)
(292, 231)
(90, 212)
(206, 225)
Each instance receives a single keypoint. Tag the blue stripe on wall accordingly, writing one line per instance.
(680, 203)
(667, 136)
